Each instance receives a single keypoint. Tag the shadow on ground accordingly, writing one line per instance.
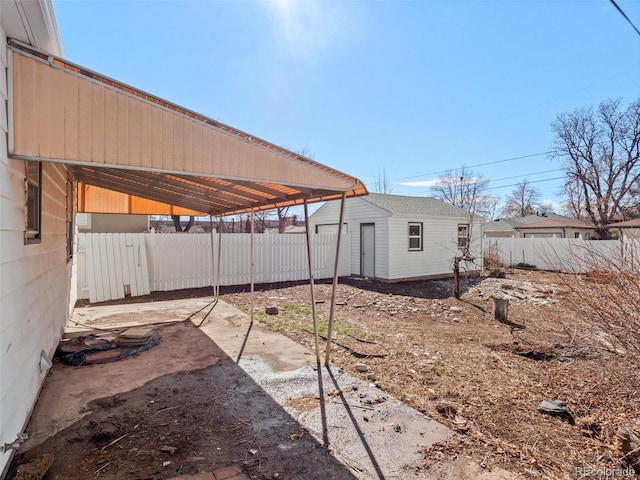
(427, 289)
(186, 422)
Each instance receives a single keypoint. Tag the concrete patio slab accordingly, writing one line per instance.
(373, 434)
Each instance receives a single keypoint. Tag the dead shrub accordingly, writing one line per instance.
(494, 266)
(600, 276)
(607, 296)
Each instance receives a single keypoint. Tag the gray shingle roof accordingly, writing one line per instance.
(535, 218)
(405, 205)
(501, 225)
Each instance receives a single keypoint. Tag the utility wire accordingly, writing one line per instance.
(476, 165)
(525, 175)
(532, 181)
(513, 184)
(613, 2)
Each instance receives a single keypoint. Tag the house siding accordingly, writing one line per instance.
(439, 246)
(358, 211)
(34, 280)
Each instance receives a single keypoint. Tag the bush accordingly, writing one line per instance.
(491, 259)
(607, 296)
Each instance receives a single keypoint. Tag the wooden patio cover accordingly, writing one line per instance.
(132, 152)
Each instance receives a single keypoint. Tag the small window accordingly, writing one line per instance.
(415, 236)
(33, 192)
(463, 235)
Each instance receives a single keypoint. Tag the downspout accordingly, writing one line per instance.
(313, 298)
(336, 267)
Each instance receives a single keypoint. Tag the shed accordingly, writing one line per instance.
(396, 237)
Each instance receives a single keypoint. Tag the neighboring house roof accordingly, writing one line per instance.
(537, 220)
(501, 225)
(424, 206)
(635, 223)
(540, 216)
(554, 223)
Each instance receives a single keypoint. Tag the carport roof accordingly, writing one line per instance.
(132, 152)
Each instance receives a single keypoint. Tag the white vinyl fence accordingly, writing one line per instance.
(111, 265)
(571, 254)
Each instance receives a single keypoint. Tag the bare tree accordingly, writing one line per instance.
(461, 188)
(524, 200)
(177, 223)
(487, 206)
(381, 183)
(600, 151)
(575, 204)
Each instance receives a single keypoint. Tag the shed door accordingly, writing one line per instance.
(367, 250)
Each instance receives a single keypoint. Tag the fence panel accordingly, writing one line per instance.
(160, 262)
(569, 254)
(109, 263)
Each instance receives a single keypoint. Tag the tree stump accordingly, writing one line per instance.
(501, 309)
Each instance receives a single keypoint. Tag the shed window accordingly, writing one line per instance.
(415, 236)
(463, 235)
(33, 190)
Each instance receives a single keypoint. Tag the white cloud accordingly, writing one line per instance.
(421, 183)
(441, 181)
(306, 29)
(550, 205)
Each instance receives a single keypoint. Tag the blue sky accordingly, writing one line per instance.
(409, 87)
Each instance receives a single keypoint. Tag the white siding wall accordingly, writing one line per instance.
(440, 246)
(439, 237)
(34, 281)
(358, 211)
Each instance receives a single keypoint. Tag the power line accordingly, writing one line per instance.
(613, 2)
(524, 175)
(532, 181)
(513, 184)
(477, 165)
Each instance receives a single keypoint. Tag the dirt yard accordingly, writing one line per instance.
(453, 361)
(447, 358)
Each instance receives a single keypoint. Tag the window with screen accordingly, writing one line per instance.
(463, 235)
(415, 236)
(33, 187)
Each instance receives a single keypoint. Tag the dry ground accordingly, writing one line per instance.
(451, 360)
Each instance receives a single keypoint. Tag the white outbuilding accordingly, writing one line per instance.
(396, 237)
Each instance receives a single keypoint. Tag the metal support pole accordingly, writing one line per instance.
(327, 358)
(251, 257)
(213, 273)
(219, 256)
(313, 298)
